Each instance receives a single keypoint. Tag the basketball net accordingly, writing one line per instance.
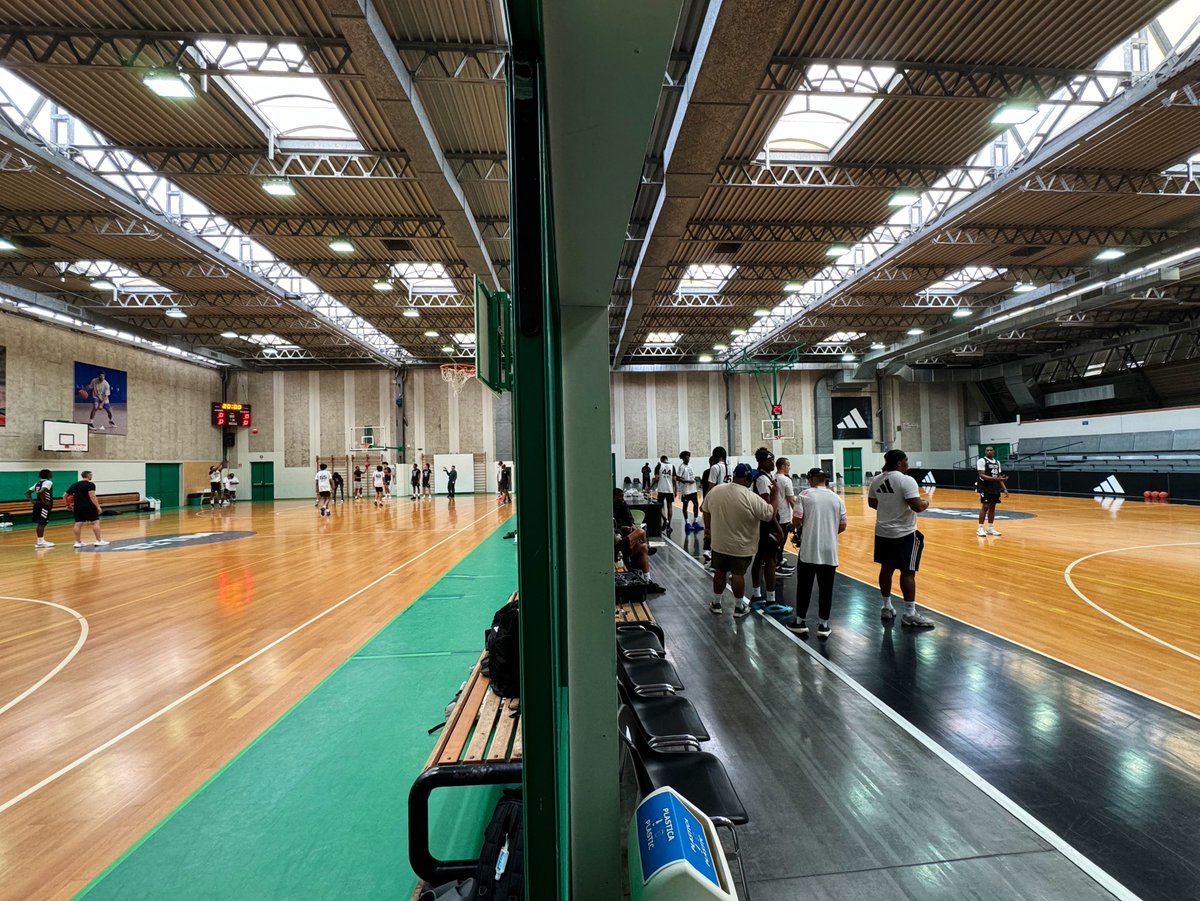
(457, 374)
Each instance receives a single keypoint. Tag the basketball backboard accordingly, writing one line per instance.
(64, 436)
(493, 331)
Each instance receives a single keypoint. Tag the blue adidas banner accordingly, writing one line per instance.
(851, 417)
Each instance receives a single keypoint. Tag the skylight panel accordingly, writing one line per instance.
(122, 278)
(663, 338)
(706, 278)
(843, 337)
(464, 339)
(964, 280)
(424, 278)
(269, 340)
(816, 122)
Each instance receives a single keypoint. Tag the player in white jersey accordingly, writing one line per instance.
(787, 504)
(896, 500)
(101, 393)
(664, 485)
(324, 489)
(718, 474)
(377, 480)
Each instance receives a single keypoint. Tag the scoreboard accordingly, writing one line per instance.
(224, 414)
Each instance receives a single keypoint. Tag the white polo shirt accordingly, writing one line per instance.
(894, 518)
(821, 513)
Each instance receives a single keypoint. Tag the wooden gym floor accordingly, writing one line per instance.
(127, 678)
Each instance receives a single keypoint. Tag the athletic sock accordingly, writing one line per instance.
(910, 608)
(770, 597)
(887, 602)
(824, 623)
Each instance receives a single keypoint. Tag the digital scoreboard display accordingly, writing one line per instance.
(224, 414)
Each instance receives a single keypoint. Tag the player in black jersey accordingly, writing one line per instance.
(991, 486)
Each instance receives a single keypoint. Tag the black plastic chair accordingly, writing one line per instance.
(668, 723)
(697, 775)
(637, 644)
(648, 677)
(655, 628)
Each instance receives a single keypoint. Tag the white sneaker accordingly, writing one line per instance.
(742, 609)
(103, 543)
(993, 532)
(981, 531)
(42, 542)
(80, 544)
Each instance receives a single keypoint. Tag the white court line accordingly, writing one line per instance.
(80, 761)
(1116, 550)
(1048, 835)
(83, 634)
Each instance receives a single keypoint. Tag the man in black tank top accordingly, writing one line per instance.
(991, 486)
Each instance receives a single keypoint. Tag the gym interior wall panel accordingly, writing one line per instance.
(331, 416)
(297, 437)
(366, 399)
(470, 418)
(637, 443)
(700, 437)
(939, 417)
(260, 394)
(666, 416)
(437, 412)
(910, 417)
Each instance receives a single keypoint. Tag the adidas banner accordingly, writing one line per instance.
(851, 417)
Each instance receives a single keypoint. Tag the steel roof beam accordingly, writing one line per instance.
(410, 126)
(931, 272)
(255, 163)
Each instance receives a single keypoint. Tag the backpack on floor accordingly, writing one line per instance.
(503, 644)
(500, 875)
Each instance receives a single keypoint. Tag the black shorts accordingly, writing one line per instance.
(41, 514)
(768, 546)
(324, 495)
(989, 497)
(664, 496)
(89, 515)
(903, 554)
(690, 498)
(727, 563)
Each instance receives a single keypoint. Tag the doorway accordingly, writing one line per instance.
(262, 481)
(852, 467)
(162, 482)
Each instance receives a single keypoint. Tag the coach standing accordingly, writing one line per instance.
(733, 515)
(82, 501)
(820, 517)
(896, 500)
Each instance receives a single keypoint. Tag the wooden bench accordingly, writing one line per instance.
(479, 745)
(638, 614)
(107, 502)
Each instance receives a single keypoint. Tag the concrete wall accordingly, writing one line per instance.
(169, 405)
(1113, 423)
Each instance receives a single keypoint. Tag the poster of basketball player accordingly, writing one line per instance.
(102, 398)
(3, 398)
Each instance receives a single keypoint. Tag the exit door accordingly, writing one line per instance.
(162, 482)
(852, 471)
(262, 481)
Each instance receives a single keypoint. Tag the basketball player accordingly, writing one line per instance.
(426, 481)
(770, 535)
(896, 500)
(787, 502)
(685, 485)
(991, 485)
(377, 479)
(215, 494)
(231, 486)
(339, 484)
(324, 489)
(101, 393)
(358, 483)
(665, 487)
(81, 500)
(414, 481)
(387, 481)
(42, 495)
(718, 474)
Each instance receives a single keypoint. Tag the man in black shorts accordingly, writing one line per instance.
(733, 516)
(82, 501)
(991, 485)
(686, 486)
(339, 484)
(896, 500)
(41, 493)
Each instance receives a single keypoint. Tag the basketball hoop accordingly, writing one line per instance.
(457, 374)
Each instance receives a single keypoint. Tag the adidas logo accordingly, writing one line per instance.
(852, 420)
(929, 479)
(1109, 486)
(885, 487)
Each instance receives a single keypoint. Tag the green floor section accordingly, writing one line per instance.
(317, 807)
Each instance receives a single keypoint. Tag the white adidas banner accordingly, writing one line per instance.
(929, 479)
(1109, 486)
(853, 420)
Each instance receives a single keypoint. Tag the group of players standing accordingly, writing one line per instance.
(330, 482)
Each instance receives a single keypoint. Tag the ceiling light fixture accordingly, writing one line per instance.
(793, 287)
(737, 332)
(837, 250)
(720, 347)
(7, 244)
(229, 334)
(279, 187)
(169, 84)
(849, 358)
(915, 331)
(411, 312)
(1024, 288)
(447, 350)
(382, 284)
(878, 345)
(705, 358)
(1110, 253)
(1014, 114)
(961, 312)
(176, 313)
(760, 313)
(341, 245)
(904, 197)
(430, 333)
(103, 284)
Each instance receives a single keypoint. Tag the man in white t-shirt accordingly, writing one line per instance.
(820, 518)
(787, 503)
(100, 391)
(324, 489)
(992, 484)
(686, 487)
(379, 483)
(664, 487)
(733, 515)
(231, 486)
(896, 500)
(718, 474)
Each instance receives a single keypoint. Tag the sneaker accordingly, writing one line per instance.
(917, 621)
(981, 531)
(784, 571)
(707, 556)
(80, 544)
(42, 542)
(800, 627)
(715, 607)
(824, 631)
(742, 609)
(887, 614)
(102, 543)
(993, 533)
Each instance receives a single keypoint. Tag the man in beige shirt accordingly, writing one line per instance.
(732, 516)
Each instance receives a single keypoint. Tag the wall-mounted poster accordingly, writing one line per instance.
(851, 417)
(102, 399)
(3, 392)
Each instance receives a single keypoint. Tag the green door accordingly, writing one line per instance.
(162, 482)
(1001, 451)
(262, 481)
(852, 471)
